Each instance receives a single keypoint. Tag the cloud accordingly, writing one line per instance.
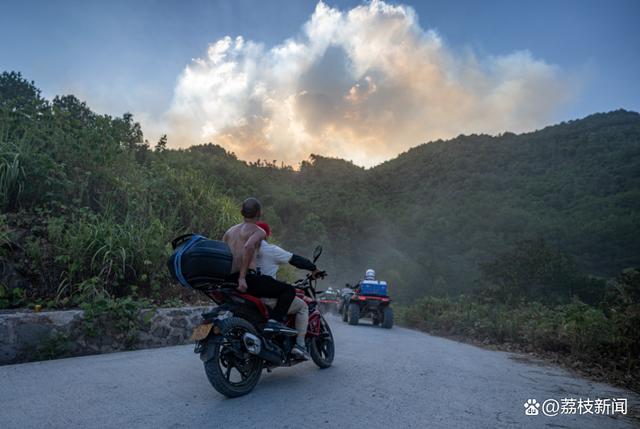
(363, 84)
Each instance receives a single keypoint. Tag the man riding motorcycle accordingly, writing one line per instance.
(268, 261)
(244, 240)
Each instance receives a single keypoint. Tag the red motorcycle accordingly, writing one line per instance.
(233, 347)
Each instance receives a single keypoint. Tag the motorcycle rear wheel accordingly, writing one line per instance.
(230, 355)
(322, 348)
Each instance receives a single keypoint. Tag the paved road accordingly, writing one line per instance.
(380, 379)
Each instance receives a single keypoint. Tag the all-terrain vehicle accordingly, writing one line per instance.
(328, 302)
(368, 299)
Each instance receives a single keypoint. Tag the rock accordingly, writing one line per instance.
(160, 332)
(32, 334)
(7, 343)
(21, 333)
(179, 323)
(175, 340)
(177, 313)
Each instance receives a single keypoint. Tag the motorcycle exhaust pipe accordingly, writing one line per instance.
(252, 343)
(254, 346)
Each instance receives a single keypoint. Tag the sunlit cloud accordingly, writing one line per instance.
(363, 84)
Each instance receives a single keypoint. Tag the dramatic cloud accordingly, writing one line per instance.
(362, 85)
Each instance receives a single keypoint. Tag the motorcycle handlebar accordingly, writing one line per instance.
(319, 275)
(306, 282)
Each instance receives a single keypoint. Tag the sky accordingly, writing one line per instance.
(359, 80)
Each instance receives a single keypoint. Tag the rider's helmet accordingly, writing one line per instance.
(370, 274)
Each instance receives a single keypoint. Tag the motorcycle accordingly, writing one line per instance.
(235, 350)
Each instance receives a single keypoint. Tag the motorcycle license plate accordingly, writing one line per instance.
(201, 332)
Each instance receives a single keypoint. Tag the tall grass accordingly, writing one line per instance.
(107, 256)
(12, 176)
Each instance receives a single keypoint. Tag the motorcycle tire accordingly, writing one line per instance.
(231, 331)
(322, 348)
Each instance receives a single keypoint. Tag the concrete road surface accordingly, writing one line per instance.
(381, 378)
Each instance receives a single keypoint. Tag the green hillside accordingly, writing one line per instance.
(89, 205)
(577, 185)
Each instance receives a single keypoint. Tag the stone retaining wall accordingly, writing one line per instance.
(29, 336)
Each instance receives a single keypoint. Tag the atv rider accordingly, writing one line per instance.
(370, 274)
(269, 259)
(345, 294)
(243, 240)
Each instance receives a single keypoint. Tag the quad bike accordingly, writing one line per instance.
(235, 350)
(329, 301)
(356, 306)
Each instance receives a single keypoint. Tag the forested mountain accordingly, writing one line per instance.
(577, 185)
(428, 218)
(89, 205)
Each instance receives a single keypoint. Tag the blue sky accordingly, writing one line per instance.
(128, 55)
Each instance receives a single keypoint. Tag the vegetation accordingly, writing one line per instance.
(518, 238)
(120, 317)
(602, 340)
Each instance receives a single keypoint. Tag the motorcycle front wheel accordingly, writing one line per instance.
(232, 370)
(322, 348)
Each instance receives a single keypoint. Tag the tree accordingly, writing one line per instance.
(19, 94)
(532, 270)
(161, 146)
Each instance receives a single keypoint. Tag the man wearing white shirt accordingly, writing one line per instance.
(268, 260)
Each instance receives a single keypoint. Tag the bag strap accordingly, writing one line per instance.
(177, 262)
(181, 239)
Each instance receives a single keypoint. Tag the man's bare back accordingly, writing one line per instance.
(237, 237)
(243, 240)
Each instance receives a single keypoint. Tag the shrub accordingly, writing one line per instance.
(577, 330)
(113, 256)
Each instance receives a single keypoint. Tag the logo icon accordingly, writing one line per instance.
(551, 407)
(531, 407)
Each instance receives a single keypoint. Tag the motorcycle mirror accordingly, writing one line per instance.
(316, 253)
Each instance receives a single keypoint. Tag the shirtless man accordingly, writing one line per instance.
(244, 240)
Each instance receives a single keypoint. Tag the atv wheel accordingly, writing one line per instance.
(354, 314)
(387, 318)
(232, 370)
(344, 312)
(322, 348)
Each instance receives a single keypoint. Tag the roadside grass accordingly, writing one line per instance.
(599, 343)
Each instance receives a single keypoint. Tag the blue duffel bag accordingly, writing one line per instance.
(198, 261)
